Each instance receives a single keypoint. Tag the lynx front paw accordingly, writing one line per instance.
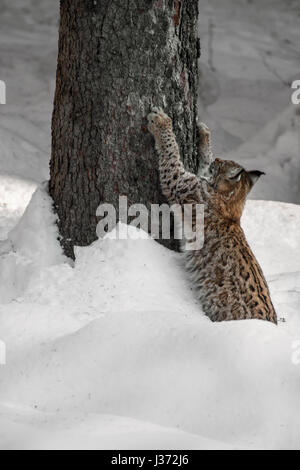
(158, 121)
(203, 130)
(204, 135)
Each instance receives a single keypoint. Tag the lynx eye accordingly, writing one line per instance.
(236, 177)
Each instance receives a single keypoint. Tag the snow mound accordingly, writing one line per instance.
(36, 235)
(32, 245)
(273, 229)
(34, 430)
(97, 351)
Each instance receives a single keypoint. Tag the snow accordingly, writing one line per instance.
(250, 58)
(86, 431)
(276, 150)
(15, 194)
(114, 351)
(29, 39)
(30, 238)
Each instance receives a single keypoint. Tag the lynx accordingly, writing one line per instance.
(226, 275)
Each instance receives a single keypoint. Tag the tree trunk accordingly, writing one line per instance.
(116, 60)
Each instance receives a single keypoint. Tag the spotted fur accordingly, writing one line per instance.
(227, 277)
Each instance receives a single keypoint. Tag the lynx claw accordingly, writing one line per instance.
(203, 128)
(157, 110)
(156, 113)
(158, 120)
(151, 118)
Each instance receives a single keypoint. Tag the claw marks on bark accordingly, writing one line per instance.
(176, 16)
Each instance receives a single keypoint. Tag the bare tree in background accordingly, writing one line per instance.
(116, 59)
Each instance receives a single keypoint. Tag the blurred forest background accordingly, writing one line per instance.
(250, 56)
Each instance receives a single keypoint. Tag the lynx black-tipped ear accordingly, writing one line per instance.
(235, 174)
(255, 175)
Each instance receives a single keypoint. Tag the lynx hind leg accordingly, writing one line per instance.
(206, 157)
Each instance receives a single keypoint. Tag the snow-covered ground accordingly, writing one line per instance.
(114, 351)
(250, 57)
(28, 54)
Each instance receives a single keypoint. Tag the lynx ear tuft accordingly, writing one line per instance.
(255, 175)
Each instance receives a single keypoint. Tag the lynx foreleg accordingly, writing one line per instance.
(178, 185)
(170, 166)
(206, 157)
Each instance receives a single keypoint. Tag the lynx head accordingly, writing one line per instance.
(231, 184)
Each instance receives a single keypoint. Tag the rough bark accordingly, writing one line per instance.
(116, 59)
